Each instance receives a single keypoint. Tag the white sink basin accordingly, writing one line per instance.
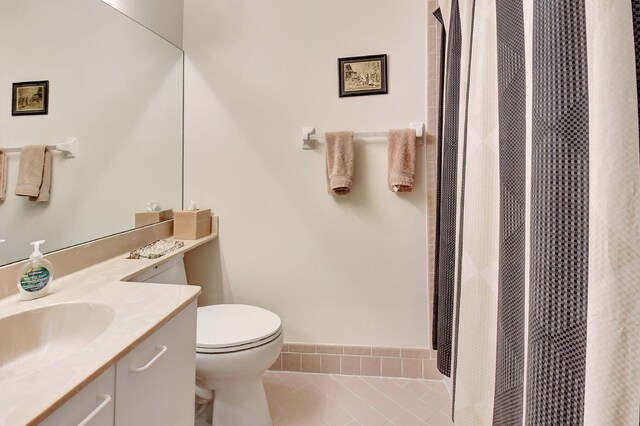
(35, 339)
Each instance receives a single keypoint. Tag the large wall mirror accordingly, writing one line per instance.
(116, 87)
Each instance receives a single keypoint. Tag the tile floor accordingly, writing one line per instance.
(335, 400)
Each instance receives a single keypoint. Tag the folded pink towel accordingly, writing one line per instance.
(339, 162)
(3, 174)
(34, 173)
(402, 159)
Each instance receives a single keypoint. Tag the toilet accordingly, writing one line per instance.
(235, 344)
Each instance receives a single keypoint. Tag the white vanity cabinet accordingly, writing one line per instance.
(155, 382)
(93, 405)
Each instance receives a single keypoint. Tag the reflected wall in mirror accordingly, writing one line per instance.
(117, 88)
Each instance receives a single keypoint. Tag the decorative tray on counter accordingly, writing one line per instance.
(155, 250)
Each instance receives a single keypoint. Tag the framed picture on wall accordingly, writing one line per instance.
(30, 98)
(363, 75)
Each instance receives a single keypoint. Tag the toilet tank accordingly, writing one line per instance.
(169, 272)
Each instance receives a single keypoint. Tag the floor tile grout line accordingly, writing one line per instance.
(334, 402)
(392, 384)
(396, 404)
(363, 401)
(347, 390)
(319, 391)
(384, 396)
(388, 419)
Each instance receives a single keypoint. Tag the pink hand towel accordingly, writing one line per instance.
(339, 162)
(402, 159)
(34, 173)
(3, 174)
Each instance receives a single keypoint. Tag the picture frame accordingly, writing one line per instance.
(362, 75)
(30, 98)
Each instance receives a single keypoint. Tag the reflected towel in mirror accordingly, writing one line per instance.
(3, 174)
(34, 173)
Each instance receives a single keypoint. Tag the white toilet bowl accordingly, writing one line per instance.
(235, 344)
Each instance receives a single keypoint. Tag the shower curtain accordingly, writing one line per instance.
(538, 271)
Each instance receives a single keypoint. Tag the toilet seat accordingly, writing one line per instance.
(233, 328)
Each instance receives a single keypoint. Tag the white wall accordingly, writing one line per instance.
(349, 271)
(164, 17)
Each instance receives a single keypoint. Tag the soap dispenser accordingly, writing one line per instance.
(36, 275)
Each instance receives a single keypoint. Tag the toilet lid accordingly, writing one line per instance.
(230, 326)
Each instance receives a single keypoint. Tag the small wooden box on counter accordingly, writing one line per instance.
(192, 225)
(147, 218)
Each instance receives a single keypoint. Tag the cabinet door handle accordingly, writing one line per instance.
(106, 399)
(162, 348)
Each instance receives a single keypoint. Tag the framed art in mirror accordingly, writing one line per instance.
(30, 98)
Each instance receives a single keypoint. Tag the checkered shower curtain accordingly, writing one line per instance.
(538, 316)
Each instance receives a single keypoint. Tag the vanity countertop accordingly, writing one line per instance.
(139, 310)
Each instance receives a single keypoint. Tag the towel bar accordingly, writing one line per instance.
(309, 135)
(68, 147)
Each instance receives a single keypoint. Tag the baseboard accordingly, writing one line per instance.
(415, 363)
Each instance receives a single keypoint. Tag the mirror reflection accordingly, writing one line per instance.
(113, 85)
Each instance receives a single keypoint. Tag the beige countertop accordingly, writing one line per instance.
(139, 310)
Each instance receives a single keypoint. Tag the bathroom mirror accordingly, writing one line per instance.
(116, 87)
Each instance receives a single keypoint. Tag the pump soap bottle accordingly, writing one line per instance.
(36, 275)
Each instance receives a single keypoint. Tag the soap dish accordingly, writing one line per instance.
(155, 250)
